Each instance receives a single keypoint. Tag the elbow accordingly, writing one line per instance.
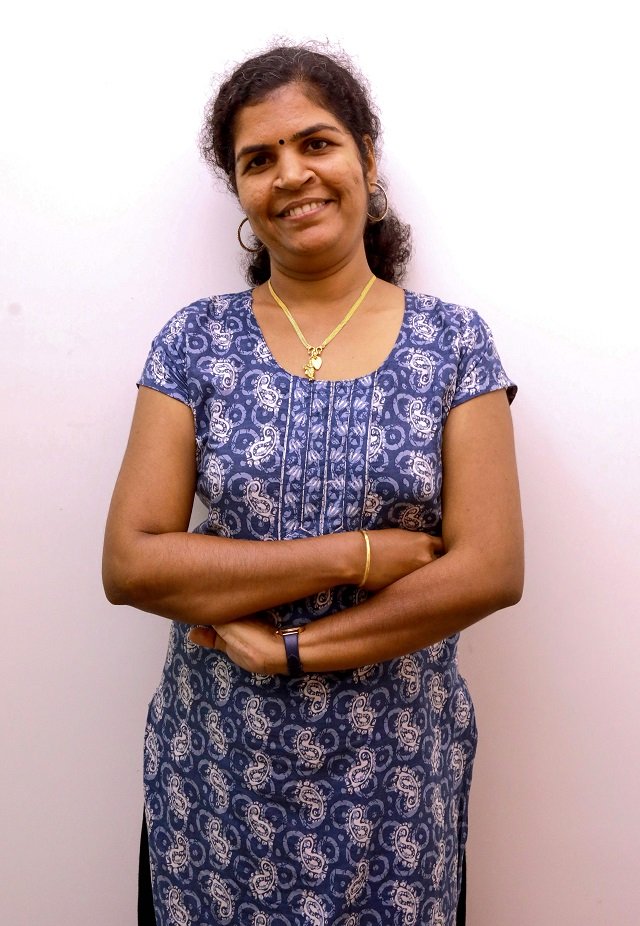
(508, 590)
(510, 594)
(115, 590)
(114, 593)
(490, 581)
(126, 576)
(118, 581)
(496, 579)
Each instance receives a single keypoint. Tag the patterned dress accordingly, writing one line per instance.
(335, 799)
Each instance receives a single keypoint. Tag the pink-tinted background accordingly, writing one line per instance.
(510, 147)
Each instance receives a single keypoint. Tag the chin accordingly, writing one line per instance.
(320, 245)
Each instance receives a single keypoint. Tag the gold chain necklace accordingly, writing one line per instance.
(314, 362)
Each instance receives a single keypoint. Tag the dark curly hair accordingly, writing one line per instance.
(332, 81)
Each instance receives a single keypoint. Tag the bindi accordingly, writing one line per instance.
(281, 141)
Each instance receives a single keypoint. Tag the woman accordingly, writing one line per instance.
(317, 776)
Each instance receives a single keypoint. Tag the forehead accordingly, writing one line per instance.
(281, 114)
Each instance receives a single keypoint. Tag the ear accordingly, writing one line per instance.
(370, 165)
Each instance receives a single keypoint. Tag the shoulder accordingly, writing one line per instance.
(446, 322)
(191, 340)
(458, 335)
(201, 314)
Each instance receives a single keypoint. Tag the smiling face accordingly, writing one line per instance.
(301, 181)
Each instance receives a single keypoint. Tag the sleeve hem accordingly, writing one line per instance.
(510, 388)
(169, 394)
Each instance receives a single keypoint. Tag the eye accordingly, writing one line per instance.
(317, 144)
(257, 161)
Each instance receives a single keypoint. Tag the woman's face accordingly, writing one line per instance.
(301, 181)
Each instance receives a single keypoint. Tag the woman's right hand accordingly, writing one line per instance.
(396, 553)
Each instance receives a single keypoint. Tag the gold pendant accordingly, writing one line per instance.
(313, 363)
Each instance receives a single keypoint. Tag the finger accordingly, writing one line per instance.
(203, 636)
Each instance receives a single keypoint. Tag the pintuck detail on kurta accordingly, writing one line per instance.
(335, 799)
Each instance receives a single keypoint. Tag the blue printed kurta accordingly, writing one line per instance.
(335, 799)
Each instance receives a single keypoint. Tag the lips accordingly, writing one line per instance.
(296, 209)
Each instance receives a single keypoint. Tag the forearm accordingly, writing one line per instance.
(200, 579)
(480, 572)
(416, 611)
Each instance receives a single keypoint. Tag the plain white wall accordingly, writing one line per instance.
(510, 147)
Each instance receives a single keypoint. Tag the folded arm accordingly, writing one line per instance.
(152, 563)
(481, 571)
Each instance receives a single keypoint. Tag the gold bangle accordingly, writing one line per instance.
(367, 562)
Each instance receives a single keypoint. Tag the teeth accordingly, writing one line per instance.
(307, 207)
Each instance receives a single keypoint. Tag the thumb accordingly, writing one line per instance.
(203, 636)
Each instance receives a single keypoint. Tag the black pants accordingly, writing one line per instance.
(146, 916)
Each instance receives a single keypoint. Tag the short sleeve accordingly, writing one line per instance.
(480, 369)
(165, 367)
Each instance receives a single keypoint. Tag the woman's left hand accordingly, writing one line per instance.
(249, 642)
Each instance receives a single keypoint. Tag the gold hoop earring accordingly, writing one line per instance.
(378, 218)
(242, 244)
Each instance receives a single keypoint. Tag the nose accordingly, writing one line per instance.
(293, 171)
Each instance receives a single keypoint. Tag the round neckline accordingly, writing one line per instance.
(330, 382)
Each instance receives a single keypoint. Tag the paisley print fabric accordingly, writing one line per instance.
(335, 799)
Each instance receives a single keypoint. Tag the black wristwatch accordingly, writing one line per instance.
(292, 649)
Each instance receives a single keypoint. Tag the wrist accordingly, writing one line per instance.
(290, 637)
(278, 657)
(338, 559)
(367, 559)
(353, 558)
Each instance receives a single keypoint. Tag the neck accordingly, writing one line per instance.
(334, 285)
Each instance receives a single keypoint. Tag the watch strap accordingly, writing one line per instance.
(292, 650)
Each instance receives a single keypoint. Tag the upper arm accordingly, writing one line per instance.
(480, 496)
(155, 488)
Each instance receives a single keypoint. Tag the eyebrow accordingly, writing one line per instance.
(303, 133)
